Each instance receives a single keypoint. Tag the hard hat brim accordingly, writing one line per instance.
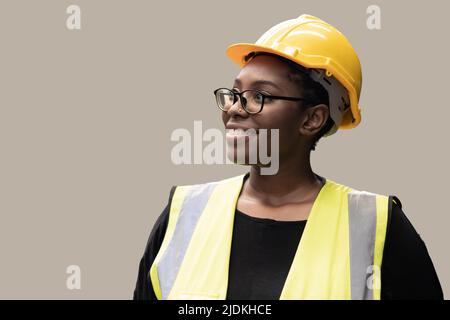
(236, 52)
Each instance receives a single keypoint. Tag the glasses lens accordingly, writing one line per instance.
(225, 99)
(254, 101)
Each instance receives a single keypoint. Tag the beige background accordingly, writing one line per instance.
(86, 118)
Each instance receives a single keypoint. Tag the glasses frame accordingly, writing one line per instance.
(264, 96)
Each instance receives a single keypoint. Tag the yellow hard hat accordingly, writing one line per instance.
(312, 43)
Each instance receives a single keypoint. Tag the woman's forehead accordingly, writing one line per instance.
(264, 69)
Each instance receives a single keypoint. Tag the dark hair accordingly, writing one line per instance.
(310, 89)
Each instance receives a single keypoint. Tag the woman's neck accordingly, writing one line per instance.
(294, 182)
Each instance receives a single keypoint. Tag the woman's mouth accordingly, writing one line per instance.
(241, 132)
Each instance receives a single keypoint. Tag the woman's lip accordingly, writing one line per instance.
(233, 126)
(241, 132)
(241, 129)
(240, 135)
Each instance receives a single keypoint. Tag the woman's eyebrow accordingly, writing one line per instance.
(258, 82)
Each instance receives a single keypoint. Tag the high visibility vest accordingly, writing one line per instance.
(338, 257)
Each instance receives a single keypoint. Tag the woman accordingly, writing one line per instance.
(293, 234)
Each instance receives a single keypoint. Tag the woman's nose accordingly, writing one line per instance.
(237, 110)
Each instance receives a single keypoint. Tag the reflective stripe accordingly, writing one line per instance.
(382, 216)
(191, 210)
(362, 227)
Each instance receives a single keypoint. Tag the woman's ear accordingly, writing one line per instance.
(313, 119)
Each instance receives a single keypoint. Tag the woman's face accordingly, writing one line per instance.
(286, 116)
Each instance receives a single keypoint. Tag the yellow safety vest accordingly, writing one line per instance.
(339, 255)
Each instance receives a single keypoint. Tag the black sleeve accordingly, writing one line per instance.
(144, 289)
(407, 271)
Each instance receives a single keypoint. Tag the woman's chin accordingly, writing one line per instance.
(242, 155)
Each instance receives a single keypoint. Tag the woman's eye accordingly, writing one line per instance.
(267, 99)
(257, 97)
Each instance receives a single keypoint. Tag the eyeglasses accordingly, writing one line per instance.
(252, 101)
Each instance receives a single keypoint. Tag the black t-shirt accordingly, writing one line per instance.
(262, 251)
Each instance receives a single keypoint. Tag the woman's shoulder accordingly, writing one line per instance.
(213, 182)
(339, 186)
(406, 258)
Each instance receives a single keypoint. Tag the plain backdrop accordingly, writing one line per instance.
(86, 118)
